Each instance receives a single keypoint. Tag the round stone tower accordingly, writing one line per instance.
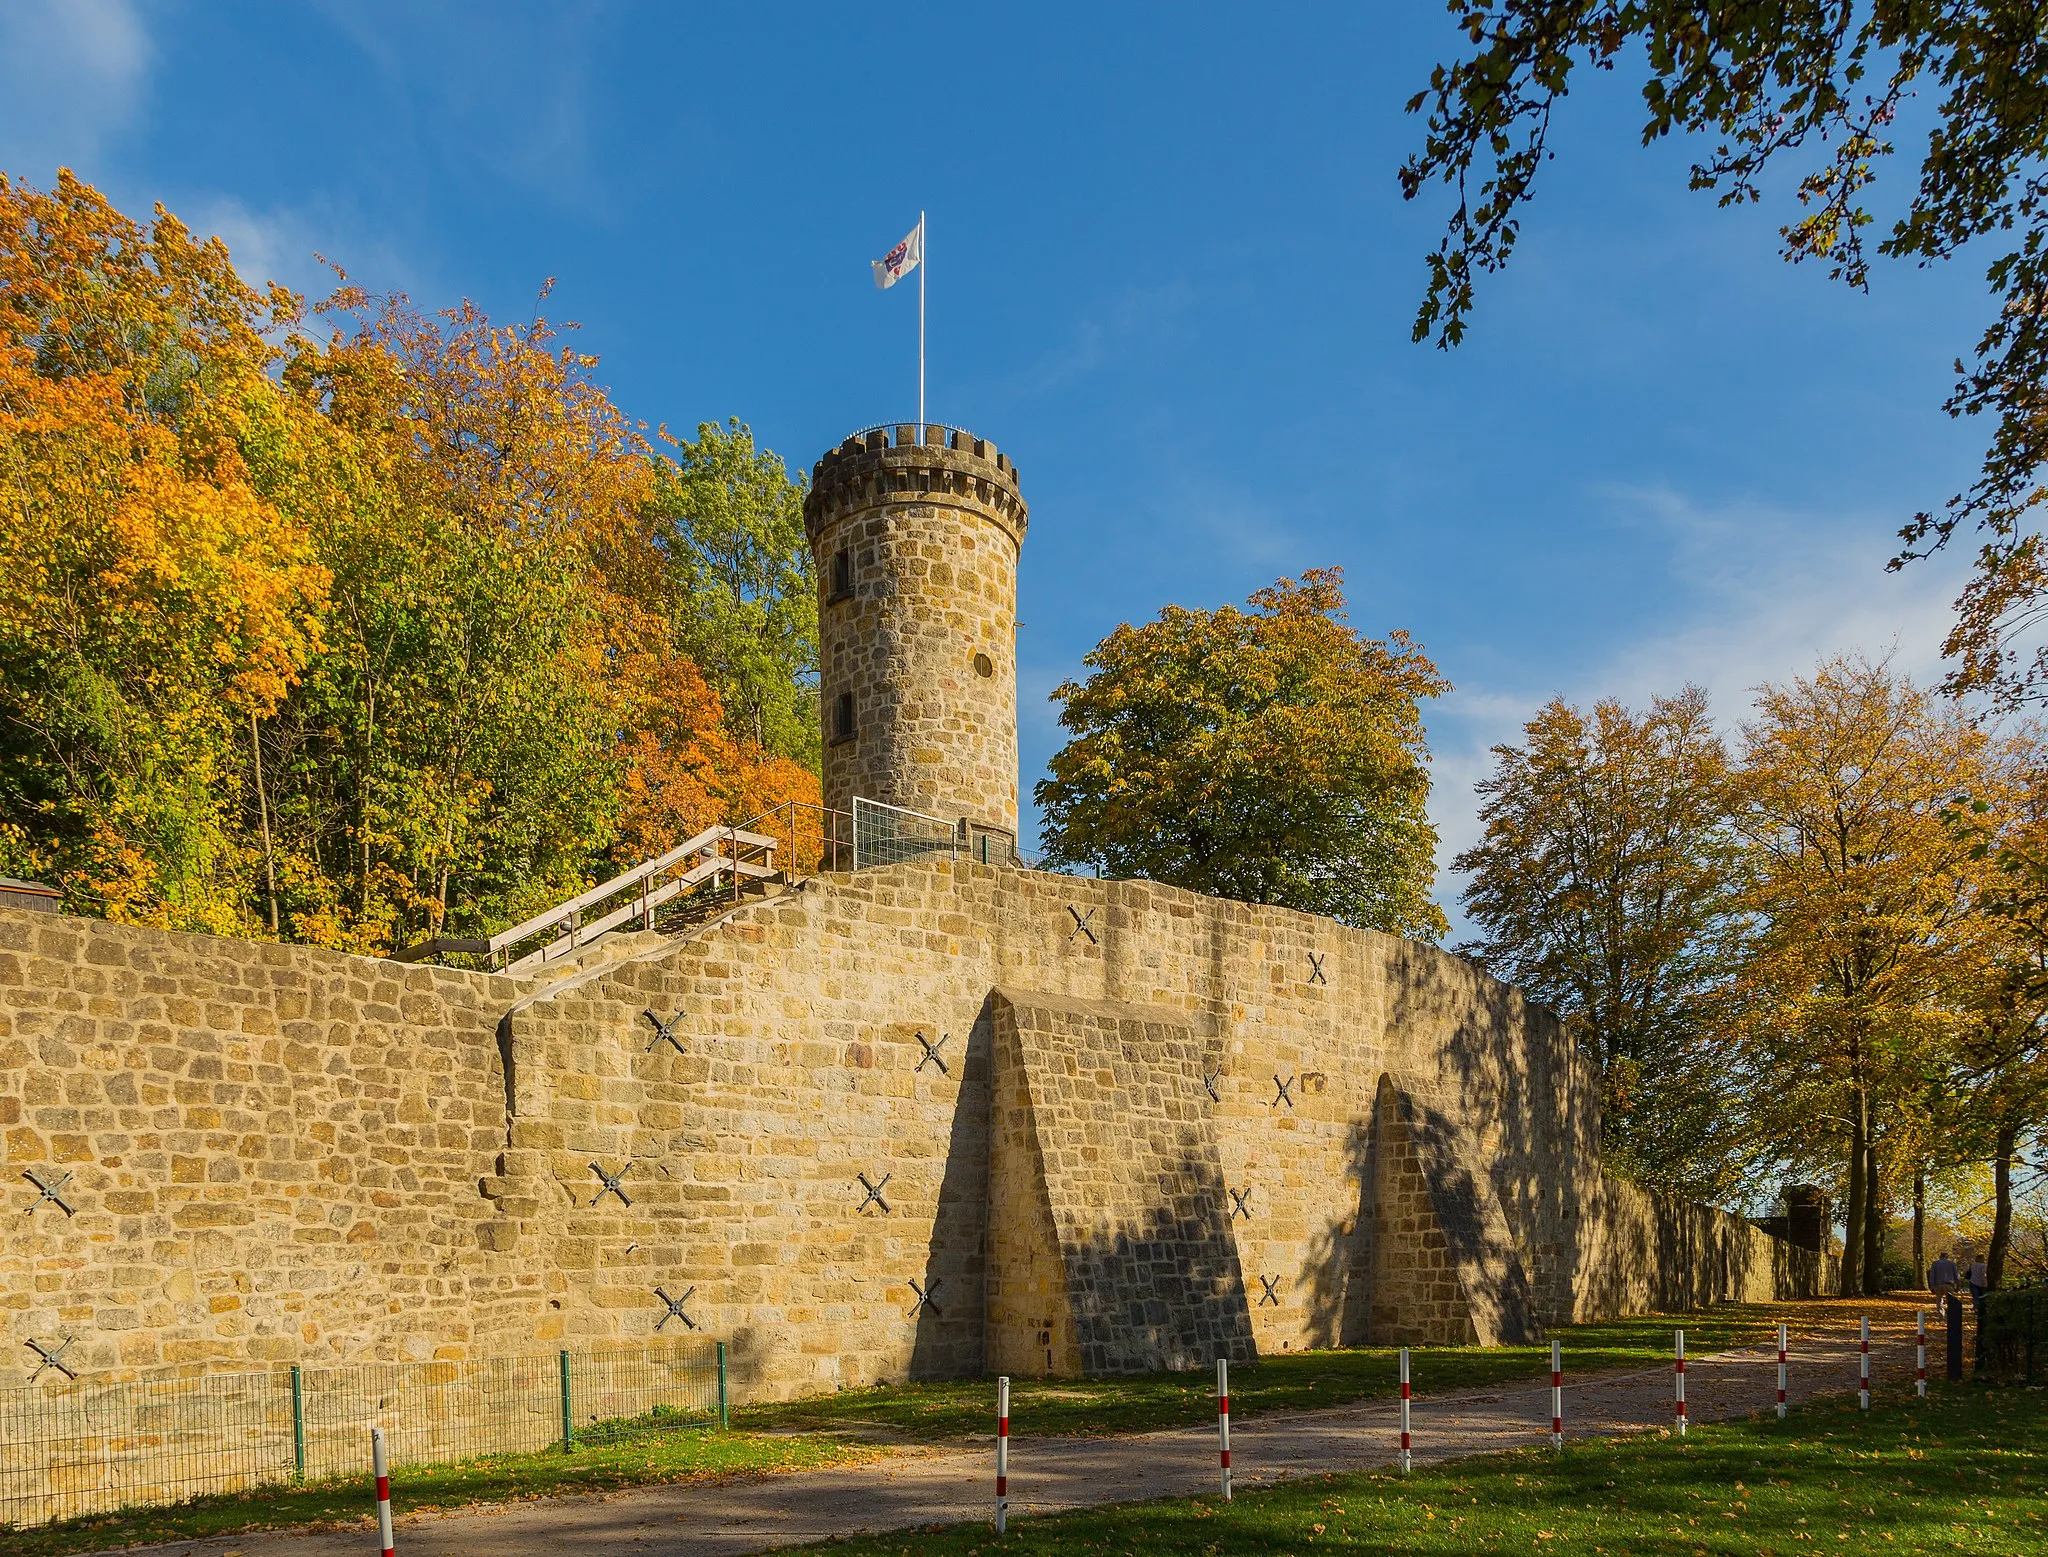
(916, 546)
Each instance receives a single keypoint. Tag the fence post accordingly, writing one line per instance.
(1407, 1460)
(298, 1426)
(1223, 1421)
(1557, 1396)
(1863, 1365)
(568, 1421)
(1920, 1352)
(381, 1469)
(723, 1419)
(1002, 1453)
(1678, 1382)
(1781, 1370)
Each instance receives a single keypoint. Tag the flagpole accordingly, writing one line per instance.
(923, 261)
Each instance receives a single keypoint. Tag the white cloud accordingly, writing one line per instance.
(72, 74)
(1770, 593)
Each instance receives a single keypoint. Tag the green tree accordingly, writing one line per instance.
(1822, 85)
(1604, 887)
(729, 523)
(1273, 755)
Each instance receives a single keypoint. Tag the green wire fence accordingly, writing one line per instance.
(87, 1448)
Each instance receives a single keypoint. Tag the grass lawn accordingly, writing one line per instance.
(838, 1429)
(684, 1454)
(1288, 1381)
(1965, 1470)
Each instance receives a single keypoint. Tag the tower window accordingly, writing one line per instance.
(842, 575)
(842, 717)
(984, 666)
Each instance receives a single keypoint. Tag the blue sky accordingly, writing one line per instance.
(1170, 273)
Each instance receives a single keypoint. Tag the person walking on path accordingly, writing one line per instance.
(1980, 1278)
(1941, 1281)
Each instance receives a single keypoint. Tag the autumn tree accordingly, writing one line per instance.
(1270, 754)
(345, 640)
(1820, 86)
(1855, 888)
(1603, 886)
(155, 602)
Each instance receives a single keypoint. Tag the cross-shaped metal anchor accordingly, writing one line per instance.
(611, 1184)
(931, 1053)
(926, 1297)
(1081, 924)
(1209, 1080)
(1315, 967)
(49, 1192)
(665, 1032)
(1240, 1208)
(1269, 1283)
(874, 1193)
(1285, 1095)
(675, 1309)
(51, 1359)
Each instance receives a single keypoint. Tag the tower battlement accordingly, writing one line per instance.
(887, 464)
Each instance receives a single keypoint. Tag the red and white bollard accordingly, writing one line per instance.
(1920, 1352)
(1863, 1367)
(1223, 1420)
(1002, 1454)
(383, 1475)
(1781, 1372)
(1678, 1382)
(1407, 1444)
(1556, 1396)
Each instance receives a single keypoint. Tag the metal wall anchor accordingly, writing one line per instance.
(932, 1055)
(874, 1193)
(1241, 1208)
(1285, 1095)
(675, 1309)
(51, 1359)
(49, 1192)
(665, 1032)
(611, 1184)
(1081, 924)
(926, 1298)
(1269, 1283)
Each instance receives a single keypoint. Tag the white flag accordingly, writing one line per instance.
(901, 260)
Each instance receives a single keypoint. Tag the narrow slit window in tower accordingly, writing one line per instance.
(842, 574)
(842, 717)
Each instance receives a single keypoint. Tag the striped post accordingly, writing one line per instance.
(1920, 1352)
(1863, 1367)
(1002, 1454)
(1781, 1372)
(1407, 1444)
(1223, 1420)
(383, 1474)
(1556, 1396)
(1678, 1382)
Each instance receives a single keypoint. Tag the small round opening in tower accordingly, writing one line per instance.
(984, 666)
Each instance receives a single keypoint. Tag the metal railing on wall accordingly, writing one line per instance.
(89, 1448)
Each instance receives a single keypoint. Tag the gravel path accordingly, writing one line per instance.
(944, 1486)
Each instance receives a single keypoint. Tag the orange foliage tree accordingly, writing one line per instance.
(345, 641)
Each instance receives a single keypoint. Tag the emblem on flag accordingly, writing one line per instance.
(901, 260)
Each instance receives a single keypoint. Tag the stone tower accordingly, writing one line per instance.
(916, 547)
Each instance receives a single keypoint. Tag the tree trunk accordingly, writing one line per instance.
(1920, 1227)
(1873, 1221)
(1852, 1217)
(2001, 1182)
(263, 811)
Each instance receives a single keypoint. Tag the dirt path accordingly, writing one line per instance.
(930, 1487)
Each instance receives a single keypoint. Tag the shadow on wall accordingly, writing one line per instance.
(1163, 1292)
(1515, 1105)
(1338, 1277)
(950, 1330)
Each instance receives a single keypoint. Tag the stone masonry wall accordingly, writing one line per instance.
(284, 1154)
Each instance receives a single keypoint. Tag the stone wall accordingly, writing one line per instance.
(285, 1154)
